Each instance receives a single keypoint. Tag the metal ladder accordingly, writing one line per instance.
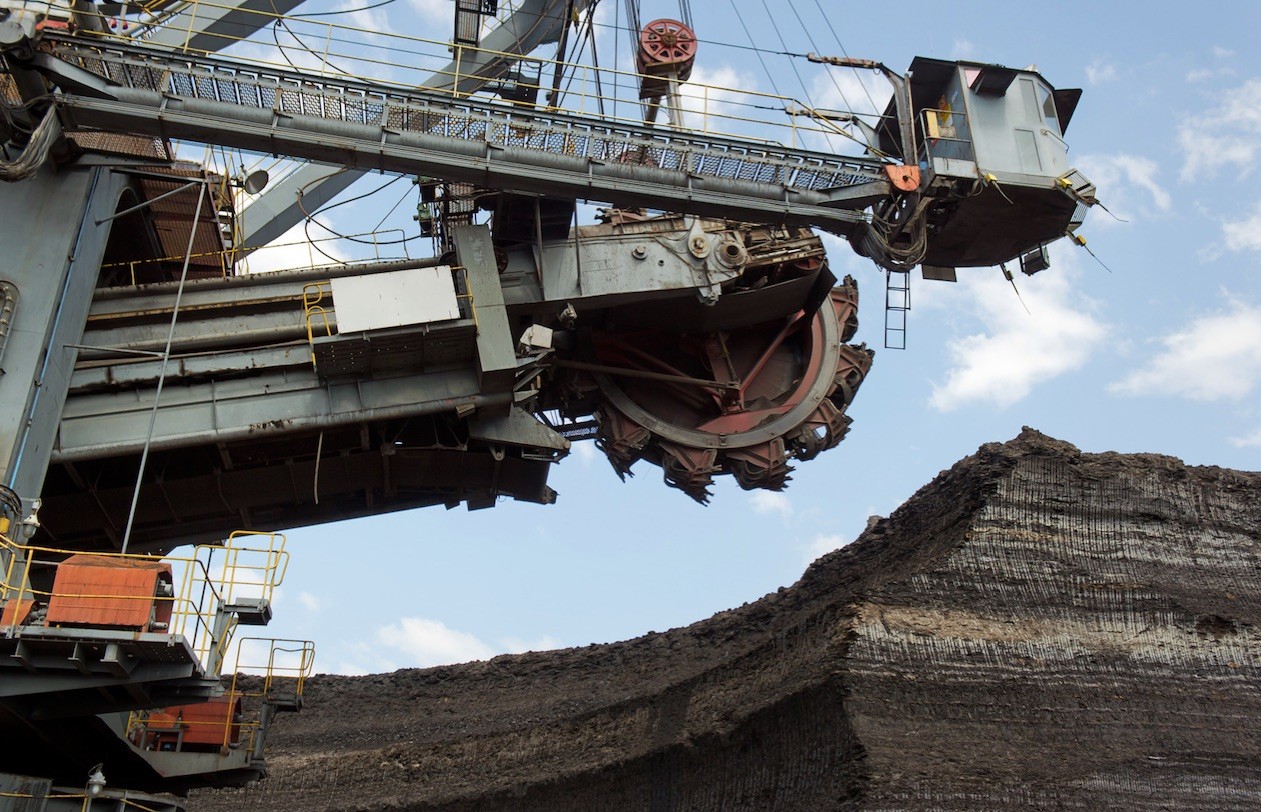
(897, 303)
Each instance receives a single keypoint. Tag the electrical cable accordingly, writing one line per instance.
(685, 12)
(805, 90)
(579, 48)
(37, 149)
(397, 203)
(617, 18)
(595, 59)
(343, 11)
(845, 53)
(712, 42)
(827, 68)
(310, 218)
(633, 24)
(749, 34)
(784, 45)
(280, 23)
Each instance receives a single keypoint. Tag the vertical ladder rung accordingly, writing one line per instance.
(897, 303)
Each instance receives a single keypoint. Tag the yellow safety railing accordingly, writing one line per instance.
(289, 664)
(215, 724)
(369, 237)
(108, 800)
(317, 302)
(330, 48)
(211, 578)
(161, 609)
(266, 670)
(238, 572)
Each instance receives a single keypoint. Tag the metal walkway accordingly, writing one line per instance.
(343, 121)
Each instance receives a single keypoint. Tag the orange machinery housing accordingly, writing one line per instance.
(105, 591)
(202, 726)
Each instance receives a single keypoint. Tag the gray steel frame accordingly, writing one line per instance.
(371, 126)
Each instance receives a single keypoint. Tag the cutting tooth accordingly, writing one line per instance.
(824, 428)
(760, 466)
(691, 470)
(621, 439)
(851, 367)
(845, 302)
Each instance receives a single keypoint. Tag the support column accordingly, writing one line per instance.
(496, 350)
(51, 249)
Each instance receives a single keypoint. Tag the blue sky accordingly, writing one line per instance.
(1161, 353)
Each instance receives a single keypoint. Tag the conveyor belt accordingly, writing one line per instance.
(341, 120)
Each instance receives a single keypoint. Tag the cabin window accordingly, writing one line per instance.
(1048, 109)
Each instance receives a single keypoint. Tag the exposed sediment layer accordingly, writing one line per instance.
(1036, 628)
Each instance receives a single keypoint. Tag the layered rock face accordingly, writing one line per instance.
(1036, 628)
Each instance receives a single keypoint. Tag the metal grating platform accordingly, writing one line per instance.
(799, 184)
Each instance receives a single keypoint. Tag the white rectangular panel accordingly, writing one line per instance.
(394, 299)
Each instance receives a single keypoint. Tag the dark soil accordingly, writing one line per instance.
(1036, 628)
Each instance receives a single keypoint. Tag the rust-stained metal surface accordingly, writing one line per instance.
(200, 726)
(132, 146)
(173, 216)
(94, 590)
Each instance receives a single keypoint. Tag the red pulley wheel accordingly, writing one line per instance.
(666, 44)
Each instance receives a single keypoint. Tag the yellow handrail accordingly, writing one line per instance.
(212, 578)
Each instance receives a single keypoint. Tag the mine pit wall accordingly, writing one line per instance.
(1036, 628)
(1093, 644)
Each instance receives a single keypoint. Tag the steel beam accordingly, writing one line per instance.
(286, 203)
(366, 126)
(211, 28)
(54, 275)
(113, 424)
(509, 168)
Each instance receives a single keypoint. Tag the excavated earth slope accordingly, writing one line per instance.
(1036, 628)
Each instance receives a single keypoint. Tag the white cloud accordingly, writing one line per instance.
(765, 502)
(865, 92)
(1216, 357)
(291, 250)
(823, 544)
(834, 90)
(1129, 184)
(1245, 234)
(426, 643)
(372, 23)
(715, 100)
(1228, 135)
(585, 451)
(309, 602)
(1222, 53)
(434, 12)
(1252, 440)
(1203, 74)
(963, 49)
(1018, 350)
(1099, 71)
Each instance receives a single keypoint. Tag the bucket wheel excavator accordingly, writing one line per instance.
(155, 396)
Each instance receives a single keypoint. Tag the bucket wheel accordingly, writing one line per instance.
(741, 401)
